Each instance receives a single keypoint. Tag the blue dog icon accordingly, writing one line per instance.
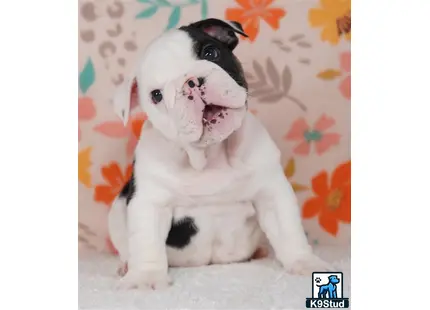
(329, 288)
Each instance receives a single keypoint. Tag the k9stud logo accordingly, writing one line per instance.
(327, 291)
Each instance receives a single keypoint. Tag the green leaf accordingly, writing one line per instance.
(271, 98)
(163, 3)
(204, 9)
(156, 2)
(259, 72)
(273, 73)
(287, 79)
(87, 76)
(148, 12)
(174, 18)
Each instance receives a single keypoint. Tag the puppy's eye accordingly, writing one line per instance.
(210, 53)
(156, 96)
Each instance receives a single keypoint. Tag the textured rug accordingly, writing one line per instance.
(260, 284)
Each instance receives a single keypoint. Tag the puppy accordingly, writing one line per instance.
(207, 184)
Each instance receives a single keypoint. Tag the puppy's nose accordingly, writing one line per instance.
(191, 82)
(195, 81)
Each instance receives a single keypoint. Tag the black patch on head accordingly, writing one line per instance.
(201, 81)
(129, 188)
(222, 30)
(238, 25)
(181, 232)
(226, 60)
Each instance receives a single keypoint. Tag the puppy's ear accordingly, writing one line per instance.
(222, 30)
(126, 98)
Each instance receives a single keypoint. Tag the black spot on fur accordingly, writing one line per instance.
(201, 81)
(129, 188)
(181, 232)
(190, 97)
(227, 60)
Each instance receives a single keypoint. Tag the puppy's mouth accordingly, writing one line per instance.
(212, 113)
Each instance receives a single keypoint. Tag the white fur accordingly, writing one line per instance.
(234, 187)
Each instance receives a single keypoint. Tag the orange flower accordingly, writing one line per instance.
(334, 17)
(135, 127)
(116, 129)
(113, 175)
(332, 201)
(251, 12)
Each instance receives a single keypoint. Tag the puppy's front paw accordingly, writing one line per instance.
(145, 279)
(122, 269)
(307, 264)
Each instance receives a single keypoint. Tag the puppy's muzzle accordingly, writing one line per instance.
(195, 86)
(194, 82)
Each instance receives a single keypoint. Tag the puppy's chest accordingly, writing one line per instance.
(216, 185)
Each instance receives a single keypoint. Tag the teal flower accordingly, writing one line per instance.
(175, 6)
(306, 135)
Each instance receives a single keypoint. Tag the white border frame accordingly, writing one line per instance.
(390, 154)
(39, 191)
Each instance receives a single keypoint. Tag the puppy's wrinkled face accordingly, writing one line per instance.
(191, 85)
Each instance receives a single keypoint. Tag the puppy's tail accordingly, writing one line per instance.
(117, 226)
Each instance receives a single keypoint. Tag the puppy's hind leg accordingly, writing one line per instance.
(117, 226)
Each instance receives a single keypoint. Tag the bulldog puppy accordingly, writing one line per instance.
(207, 184)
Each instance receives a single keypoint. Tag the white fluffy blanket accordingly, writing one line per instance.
(258, 284)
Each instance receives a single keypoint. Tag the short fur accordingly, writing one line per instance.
(203, 191)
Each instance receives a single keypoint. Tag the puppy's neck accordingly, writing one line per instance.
(249, 147)
(174, 154)
(200, 158)
(229, 151)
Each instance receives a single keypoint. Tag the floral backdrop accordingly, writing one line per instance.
(298, 64)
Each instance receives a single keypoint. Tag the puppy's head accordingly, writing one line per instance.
(190, 84)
